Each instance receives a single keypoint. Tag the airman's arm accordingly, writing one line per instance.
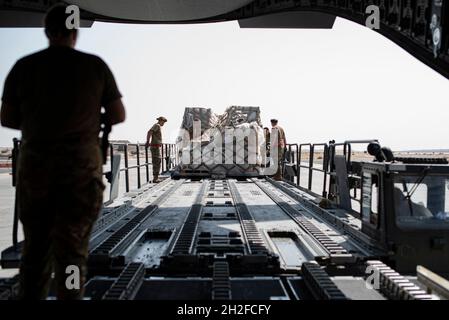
(149, 134)
(10, 117)
(111, 98)
(10, 112)
(115, 112)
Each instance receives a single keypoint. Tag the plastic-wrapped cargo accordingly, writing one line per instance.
(237, 115)
(205, 115)
(227, 145)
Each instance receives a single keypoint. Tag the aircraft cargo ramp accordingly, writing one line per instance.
(230, 239)
(222, 239)
(358, 232)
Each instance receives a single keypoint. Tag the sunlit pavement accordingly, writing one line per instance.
(6, 217)
(7, 206)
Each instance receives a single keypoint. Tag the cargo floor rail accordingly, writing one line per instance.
(335, 251)
(128, 283)
(319, 282)
(186, 237)
(254, 239)
(107, 246)
(395, 286)
(221, 285)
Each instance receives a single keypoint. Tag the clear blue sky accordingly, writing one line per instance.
(344, 83)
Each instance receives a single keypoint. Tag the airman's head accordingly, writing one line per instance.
(56, 29)
(161, 121)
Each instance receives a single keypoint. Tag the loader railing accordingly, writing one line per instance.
(141, 155)
(307, 160)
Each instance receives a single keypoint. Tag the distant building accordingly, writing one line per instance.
(5, 153)
(119, 145)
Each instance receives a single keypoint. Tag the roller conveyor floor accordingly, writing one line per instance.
(228, 239)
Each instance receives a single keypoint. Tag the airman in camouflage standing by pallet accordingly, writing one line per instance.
(154, 141)
(55, 98)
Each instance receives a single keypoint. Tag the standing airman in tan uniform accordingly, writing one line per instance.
(280, 144)
(154, 141)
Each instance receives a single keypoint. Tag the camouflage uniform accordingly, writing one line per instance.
(280, 144)
(57, 94)
(57, 213)
(155, 148)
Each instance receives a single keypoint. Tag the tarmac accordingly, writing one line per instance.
(7, 196)
(6, 216)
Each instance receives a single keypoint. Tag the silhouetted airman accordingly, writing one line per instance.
(55, 98)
